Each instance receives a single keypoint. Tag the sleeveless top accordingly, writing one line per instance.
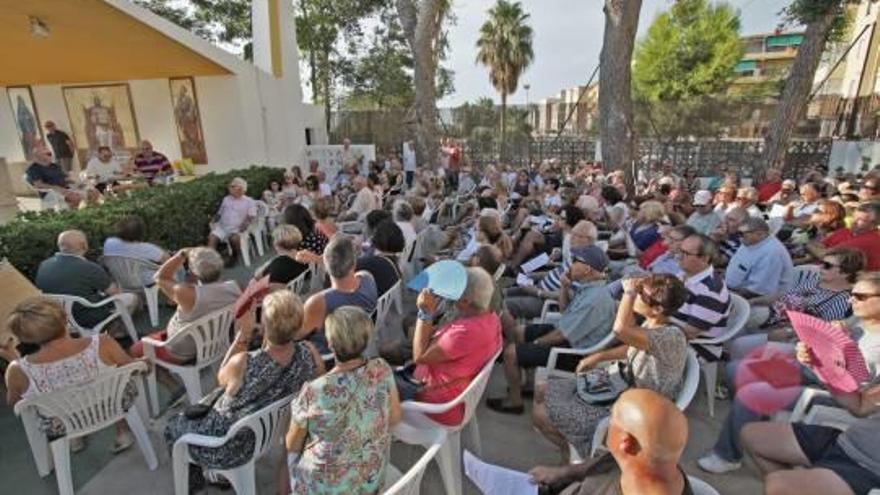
(363, 297)
(72, 370)
(209, 297)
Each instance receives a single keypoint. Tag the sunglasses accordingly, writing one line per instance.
(862, 297)
(826, 265)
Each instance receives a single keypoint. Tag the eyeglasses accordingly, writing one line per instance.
(826, 265)
(687, 253)
(862, 297)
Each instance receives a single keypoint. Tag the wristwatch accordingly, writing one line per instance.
(425, 316)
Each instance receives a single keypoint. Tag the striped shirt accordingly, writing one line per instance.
(152, 165)
(551, 281)
(707, 305)
(807, 295)
(729, 246)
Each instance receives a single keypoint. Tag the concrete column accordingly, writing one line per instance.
(8, 203)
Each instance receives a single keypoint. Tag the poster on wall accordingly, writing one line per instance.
(188, 119)
(102, 116)
(27, 123)
(330, 157)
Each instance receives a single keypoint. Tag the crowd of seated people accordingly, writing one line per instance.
(654, 270)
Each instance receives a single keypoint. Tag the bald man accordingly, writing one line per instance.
(69, 272)
(646, 438)
(150, 163)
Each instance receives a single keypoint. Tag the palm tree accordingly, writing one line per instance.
(505, 47)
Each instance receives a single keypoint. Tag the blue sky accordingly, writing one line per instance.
(568, 38)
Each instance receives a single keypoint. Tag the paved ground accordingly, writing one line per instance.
(506, 440)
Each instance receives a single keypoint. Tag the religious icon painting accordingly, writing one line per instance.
(188, 119)
(102, 116)
(27, 123)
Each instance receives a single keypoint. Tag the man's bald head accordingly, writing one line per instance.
(583, 234)
(646, 429)
(73, 242)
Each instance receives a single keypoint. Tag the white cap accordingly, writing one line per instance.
(702, 198)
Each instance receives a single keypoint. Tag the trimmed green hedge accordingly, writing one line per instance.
(176, 216)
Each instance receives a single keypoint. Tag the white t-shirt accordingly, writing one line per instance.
(409, 232)
(234, 211)
(115, 246)
(409, 158)
(325, 189)
(105, 172)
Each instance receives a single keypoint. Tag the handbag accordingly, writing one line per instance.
(602, 386)
(203, 407)
(407, 385)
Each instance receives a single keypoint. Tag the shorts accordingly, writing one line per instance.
(819, 445)
(532, 355)
(222, 233)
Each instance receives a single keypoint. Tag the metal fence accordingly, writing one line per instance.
(704, 156)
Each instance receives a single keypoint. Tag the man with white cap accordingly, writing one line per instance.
(704, 219)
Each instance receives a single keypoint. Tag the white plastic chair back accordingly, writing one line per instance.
(267, 424)
(317, 276)
(210, 333)
(410, 482)
(298, 284)
(691, 380)
(383, 304)
(120, 311)
(351, 228)
(136, 275)
(736, 321)
(700, 487)
(404, 259)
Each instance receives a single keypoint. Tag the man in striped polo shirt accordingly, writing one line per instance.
(150, 163)
(704, 313)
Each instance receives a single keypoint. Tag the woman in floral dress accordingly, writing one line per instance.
(340, 430)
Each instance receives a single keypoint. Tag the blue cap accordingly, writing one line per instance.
(446, 279)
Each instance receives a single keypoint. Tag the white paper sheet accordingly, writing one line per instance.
(492, 480)
(535, 263)
(523, 280)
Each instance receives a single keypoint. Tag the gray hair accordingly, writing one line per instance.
(238, 181)
(73, 242)
(403, 211)
(206, 264)
(754, 223)
(340, 257)
(480, 288)
(348, 332)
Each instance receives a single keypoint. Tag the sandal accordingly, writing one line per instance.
(123, 443)
(500, 405)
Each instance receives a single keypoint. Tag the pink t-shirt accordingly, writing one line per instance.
(468, 343)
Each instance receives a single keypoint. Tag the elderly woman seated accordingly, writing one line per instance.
(250, 381)
(654, 353)
(194, 299)
(340, 427)
(61, 361)
(236, 212)
(284, 267)
(448, 357)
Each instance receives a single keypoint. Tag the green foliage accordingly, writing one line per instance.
(505, 45)
(683, 67)
(176, 216)
(809, 11)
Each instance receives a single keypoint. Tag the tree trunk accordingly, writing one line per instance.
(326, 89)
(796, 94)
(503, 125)
(615, 81)
(421, 25)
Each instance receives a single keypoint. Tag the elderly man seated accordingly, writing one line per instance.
(49, 178)
(236, 212)
(348, 287)
(364, 202)
(727, 235)
(646, 438)
(527, 302)
(588, 313)
(150, 163)
(761, 270)
(863, 235)
(105, 169)
(69, 272)
(705, 311)
(704, 219)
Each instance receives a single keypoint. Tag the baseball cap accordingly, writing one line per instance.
(447, 279)
(592, 256)
(702, 198)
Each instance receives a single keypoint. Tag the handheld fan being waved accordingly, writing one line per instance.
(836, 356)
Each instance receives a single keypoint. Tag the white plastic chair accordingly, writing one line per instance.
(257, 229)
(49, 198)
(383, 304)
(682, 401)
(416, 428)
(120, 311)
(267, 424)
(317, 277)
(700, 487)
(736, 321)
(352, 228)
(210, 333)
(83, 409)
(129, 274)
(298, 284)
(404, 260)
(410, 482)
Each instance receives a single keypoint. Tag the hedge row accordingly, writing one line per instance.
(176, 216)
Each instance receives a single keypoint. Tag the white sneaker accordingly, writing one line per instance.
(713, 463)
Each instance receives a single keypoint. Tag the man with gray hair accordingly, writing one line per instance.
(236, 212)
(403, 214)
(348, 287)
(68, 272)
(761, 270)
